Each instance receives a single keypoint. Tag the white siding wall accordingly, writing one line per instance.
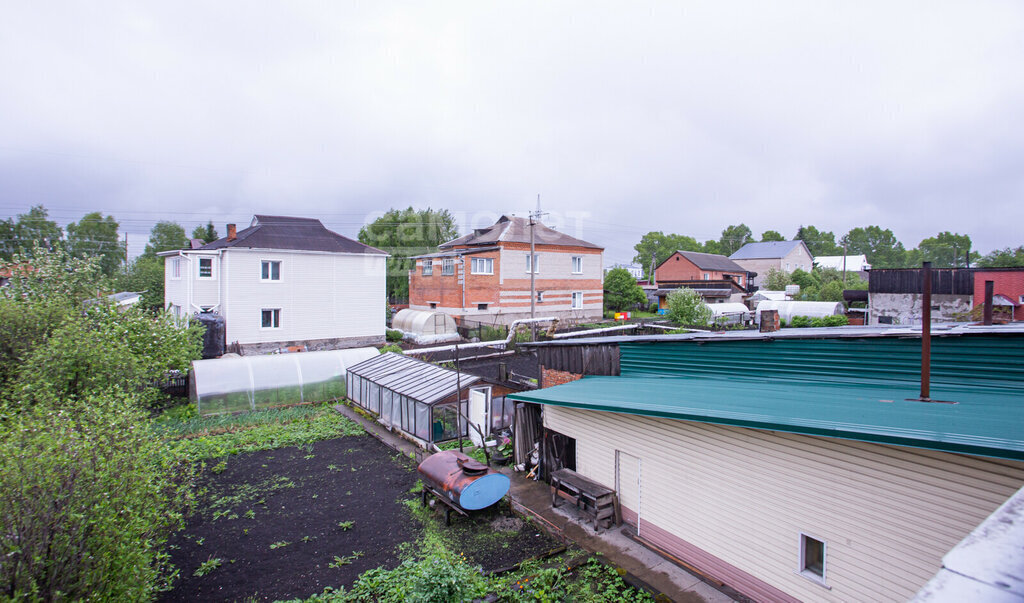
(321, 295)
(553, 264)
(888, 514)
(176, 289)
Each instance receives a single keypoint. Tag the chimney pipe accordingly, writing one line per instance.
(232, 232)
(926, 330)
(989, 287)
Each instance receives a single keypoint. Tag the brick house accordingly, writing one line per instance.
(786, 256)
(1008, 289)
(485, 275)
(717, 278)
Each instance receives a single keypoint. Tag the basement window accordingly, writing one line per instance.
(481, 306)
(812, 558)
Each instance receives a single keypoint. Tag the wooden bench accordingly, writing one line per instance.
(594, 501)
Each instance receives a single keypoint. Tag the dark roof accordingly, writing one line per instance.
(517, 230)
(766, 250)
(285, 232)
(711, 261)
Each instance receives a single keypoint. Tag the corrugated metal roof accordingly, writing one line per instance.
(410, 377)
(982, 422)
(766, 250)
(711, 261)
(517, 230)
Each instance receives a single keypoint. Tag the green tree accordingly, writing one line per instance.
(1003, 258)
(687, 307)
(96, 236)
(880, 246)
(712, 246)
(34, 229)
(662, 246)
(8, 239)
(771, 235)
(207, 234)
(947, 250)
(146, 275)
(734, 237)
(621, 291)
(165, 236)
(776, 280)
(404, 233)
(818, 242)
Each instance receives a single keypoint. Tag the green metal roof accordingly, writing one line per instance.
(982, 422)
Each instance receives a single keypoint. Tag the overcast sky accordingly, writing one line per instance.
(624, 117)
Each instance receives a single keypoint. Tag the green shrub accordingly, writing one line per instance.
(818, 321)
(836, 320)
(391, 348)
(799, 322)
(687, 307)
(88, 498)
(393, 335)
(488, 333)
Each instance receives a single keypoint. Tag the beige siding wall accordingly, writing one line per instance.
(320, 296)
(887, 514)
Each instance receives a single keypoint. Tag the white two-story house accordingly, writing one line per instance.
(282, 281)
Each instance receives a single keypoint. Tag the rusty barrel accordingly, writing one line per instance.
(466, 482)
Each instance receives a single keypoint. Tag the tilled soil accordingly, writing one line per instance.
(273, 518)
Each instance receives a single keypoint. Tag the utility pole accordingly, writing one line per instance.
(844, 265)
(534, 216)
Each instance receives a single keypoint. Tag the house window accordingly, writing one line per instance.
(707, 276)
(271, 319)
(271, 271)
(812, 558)
(428, 267)
(481, 306)
(577, 264)
(176, 268)
(447, 267)
(540, 296)
(433, 305)
(535, 264)
(481, 266)
(577, 300)
(205, 267)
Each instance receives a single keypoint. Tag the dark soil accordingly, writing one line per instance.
(298, 496)
(294, 496)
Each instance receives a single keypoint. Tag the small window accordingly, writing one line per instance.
(577, 300)
(271, 319)
(271, 271)
(447, 267)
(577, 264)
(428, 267)
(707, 276)
(481, 266)
(812, 558)
(433, 305)
(885, 320)
(540, 296)
(205, 267)
(176, 269)
(535, 264)
(481, 306)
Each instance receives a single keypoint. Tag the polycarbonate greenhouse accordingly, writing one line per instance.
(409, 394)
(224, 385)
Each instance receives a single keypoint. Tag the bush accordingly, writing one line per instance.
(799, 322)
(88, 499)
(687, 307)
(391, 348)
(489, 333)
(836, 320)
(393, 335)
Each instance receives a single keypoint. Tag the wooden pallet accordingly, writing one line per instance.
(595, 502)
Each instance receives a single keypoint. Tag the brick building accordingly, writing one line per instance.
(1008, 289)
(717, 278)
(485, 275)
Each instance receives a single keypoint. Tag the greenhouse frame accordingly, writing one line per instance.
(411, 395)
(240, 383)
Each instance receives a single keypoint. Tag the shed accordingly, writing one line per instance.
(411, 395)
(423, 322)
(223, 385)
(789, 309)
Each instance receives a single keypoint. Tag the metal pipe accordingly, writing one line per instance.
(926, 330)
(458, 397)
(989, 290)
(484, 344)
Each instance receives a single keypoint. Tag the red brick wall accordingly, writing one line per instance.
(552, 377)
(1006, 282)
(678, 268)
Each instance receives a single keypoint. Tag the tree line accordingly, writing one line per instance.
(882, 248)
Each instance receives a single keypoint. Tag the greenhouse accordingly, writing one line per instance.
(410, 395)
(788, 309)
(233, 384)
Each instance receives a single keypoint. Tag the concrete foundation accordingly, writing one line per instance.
(312, 345)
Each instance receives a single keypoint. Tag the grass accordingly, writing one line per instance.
(208, 566)
(215, 437)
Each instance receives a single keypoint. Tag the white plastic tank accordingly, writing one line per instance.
(788, 309)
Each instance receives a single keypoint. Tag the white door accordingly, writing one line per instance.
(627, 486)
(479, 413)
